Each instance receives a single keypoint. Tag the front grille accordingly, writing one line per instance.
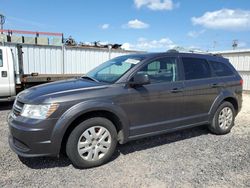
(17, 108)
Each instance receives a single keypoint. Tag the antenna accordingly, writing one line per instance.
(2, 21)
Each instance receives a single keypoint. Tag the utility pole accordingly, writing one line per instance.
(235, 44)
(214, 44)
(2, 21)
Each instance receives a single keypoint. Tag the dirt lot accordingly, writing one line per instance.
(190, 158)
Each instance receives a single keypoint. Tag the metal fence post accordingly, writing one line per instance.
(109, 47)
(63, 61)
(2, 40)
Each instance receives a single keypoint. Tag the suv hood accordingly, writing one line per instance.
(55, 89)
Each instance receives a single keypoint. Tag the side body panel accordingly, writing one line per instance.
(202, 97)
(198, 98)
(152, 107)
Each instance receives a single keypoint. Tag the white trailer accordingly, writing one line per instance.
(23, 65)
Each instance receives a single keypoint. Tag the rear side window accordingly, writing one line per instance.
(1, 58)
(221, 69)
(195, 68)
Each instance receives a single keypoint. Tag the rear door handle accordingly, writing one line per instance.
(216, 85)
(176, 90)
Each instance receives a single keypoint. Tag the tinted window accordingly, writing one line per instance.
(196, 68)
(161, 70)
(221, 69)
(1, 58)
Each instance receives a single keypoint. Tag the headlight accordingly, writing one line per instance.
(38, 111)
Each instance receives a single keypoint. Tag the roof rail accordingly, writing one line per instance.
(204, 53)
(194, 51)
(172, 51)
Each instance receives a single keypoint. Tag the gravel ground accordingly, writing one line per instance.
(190, 158)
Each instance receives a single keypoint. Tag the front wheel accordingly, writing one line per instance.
(223, 119)
(92, 143)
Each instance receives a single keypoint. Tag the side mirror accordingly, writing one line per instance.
(140, 79)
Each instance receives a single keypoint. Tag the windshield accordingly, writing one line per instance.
(113, 69)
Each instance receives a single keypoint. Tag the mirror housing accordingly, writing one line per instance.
(140, 79)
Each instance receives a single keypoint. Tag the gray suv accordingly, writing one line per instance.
(125, 98)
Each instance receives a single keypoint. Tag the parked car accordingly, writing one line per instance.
(126, 98)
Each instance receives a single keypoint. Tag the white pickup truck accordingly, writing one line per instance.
(23, 65)
(15, 75)
(12, 77)
(7, 74)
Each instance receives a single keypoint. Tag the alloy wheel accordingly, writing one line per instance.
(225, 118)
(94, 143)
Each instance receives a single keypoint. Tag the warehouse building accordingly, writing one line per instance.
(241, 61)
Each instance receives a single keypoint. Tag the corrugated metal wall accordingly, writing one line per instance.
(75, 60)
(79, 60)
(63, 60)
(241, 61)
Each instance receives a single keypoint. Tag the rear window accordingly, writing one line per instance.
(1, 58)
(195, 68)
(221, 69)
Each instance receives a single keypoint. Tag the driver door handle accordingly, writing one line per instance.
(176, 90)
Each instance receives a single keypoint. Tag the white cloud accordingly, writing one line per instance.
(227, 19)
(195, 34)
(155, 4)
(105, 26)
(136, 24)
(126, 46)
(162, 44)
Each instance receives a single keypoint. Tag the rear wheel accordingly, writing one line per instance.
(92, 143)
(223, 119)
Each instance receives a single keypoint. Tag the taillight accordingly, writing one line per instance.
(241, 82)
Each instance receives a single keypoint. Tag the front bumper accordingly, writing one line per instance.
(31, 137)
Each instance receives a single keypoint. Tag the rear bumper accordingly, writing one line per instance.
(240, 104)
(30, 137)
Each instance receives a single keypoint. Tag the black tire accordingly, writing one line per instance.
(72, 142)
(214, 127)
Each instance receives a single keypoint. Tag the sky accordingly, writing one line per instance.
(148, 25)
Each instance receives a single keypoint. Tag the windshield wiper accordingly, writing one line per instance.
(90, 78)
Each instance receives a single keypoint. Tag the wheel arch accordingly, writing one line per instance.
(234, 102)
(225, 96)
(76, 114)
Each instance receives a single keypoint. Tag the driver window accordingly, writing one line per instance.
(161, 70)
